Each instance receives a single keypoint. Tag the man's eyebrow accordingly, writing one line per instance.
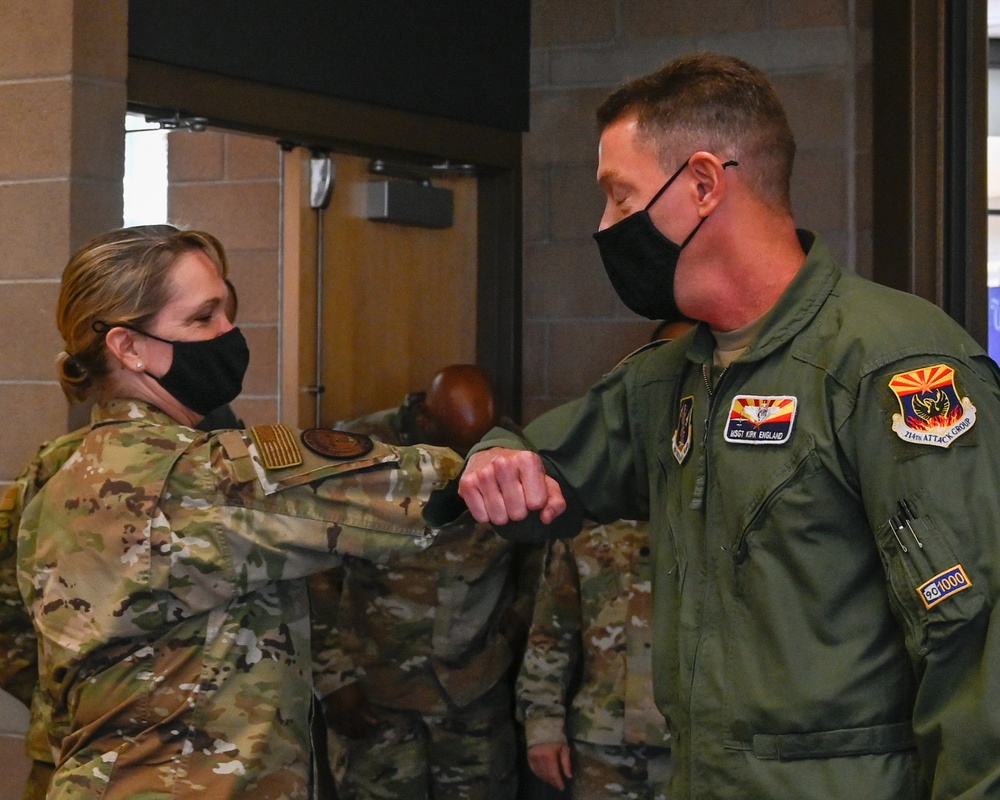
(611, 178)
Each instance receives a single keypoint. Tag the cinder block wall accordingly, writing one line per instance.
(62, 109)
(818, 53)
(229, 185)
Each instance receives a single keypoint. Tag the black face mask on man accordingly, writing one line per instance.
(641, 261)
(207, 373)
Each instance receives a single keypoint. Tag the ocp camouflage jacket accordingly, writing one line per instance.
(587, 669)
(164, 568)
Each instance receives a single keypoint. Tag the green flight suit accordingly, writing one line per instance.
(799, 650)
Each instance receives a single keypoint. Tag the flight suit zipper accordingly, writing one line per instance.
(698, 498)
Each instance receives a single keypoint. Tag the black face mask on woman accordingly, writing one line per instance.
(641, 261)
(207, 373)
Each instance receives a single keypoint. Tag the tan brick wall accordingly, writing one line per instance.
(818, 53)
(62, 105)
(229, 185)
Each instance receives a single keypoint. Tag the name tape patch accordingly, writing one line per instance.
(761, 419)
(944, 585)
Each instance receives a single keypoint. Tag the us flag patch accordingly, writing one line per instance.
(756, 419)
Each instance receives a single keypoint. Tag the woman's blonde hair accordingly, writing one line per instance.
(119, 278)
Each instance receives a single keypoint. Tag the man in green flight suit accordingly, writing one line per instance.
(817, 459)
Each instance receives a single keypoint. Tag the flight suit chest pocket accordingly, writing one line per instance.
(786, 493)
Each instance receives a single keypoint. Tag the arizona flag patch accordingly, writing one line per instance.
(931, 411)
(755, 419)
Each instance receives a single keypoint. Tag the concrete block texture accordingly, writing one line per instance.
(243, 215)
(34, 227)
(254, 273)
(35, 38)
(251, 157)
(33, 341)
(563, 129)
(35, 116)
(194, 156)
(33, 413)
(577, 202)
(815, 104)
(652, 19)
(571, 22)
(787, 14)
(98, 120)
(256, 411)
(260, 379)
(819, 194)
(566, 280)
(592, 348)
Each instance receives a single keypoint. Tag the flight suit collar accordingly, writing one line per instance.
(795, 309)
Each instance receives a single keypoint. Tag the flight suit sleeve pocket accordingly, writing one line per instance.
(930, 585)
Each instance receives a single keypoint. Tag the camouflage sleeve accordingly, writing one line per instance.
(370, 506)
(332, 666)
(18, 645)
(10, 501)
(18, 640)
(526, 569)
(553, 650)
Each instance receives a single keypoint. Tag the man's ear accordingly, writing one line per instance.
(710, 176)
(121, 343)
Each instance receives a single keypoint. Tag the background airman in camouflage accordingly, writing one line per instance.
(18, 642)
(413, 658)
(585, 689)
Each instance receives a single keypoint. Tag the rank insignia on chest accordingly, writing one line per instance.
(931, 411)
(680, 443)
(761, 419)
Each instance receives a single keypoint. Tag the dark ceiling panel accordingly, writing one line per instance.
(459, 59)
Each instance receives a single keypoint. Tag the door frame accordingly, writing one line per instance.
(929, 146)
(320, 123)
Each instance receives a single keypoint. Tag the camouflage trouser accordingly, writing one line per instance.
(630, 772)
(468, 754)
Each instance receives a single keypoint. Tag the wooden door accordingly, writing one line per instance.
(398, 301)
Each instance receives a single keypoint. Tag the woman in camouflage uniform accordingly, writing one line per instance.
(163, 567)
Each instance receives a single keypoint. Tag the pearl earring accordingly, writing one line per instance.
(138, 365)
